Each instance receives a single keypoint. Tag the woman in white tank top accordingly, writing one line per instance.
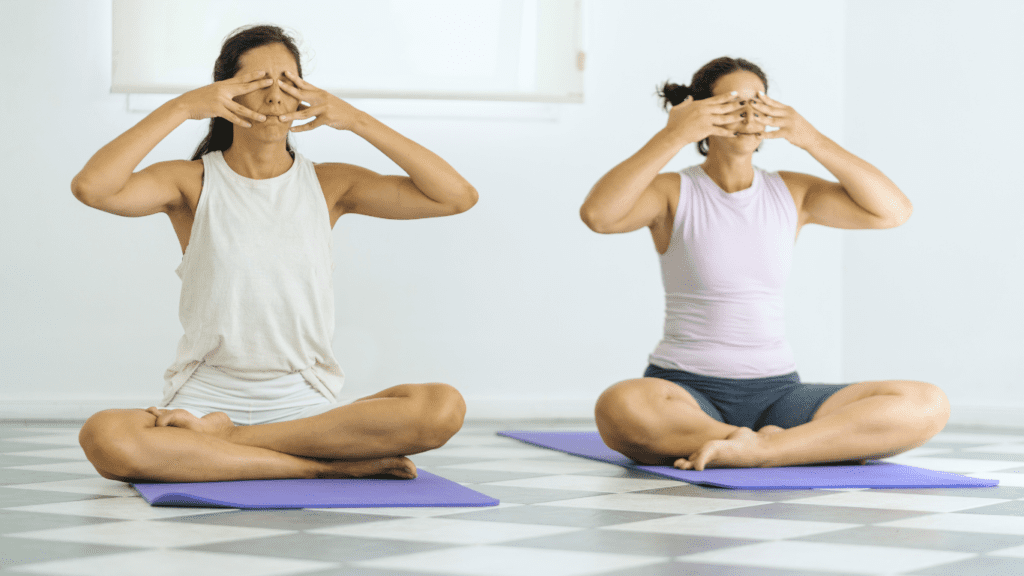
(254, 220)
(722, 388)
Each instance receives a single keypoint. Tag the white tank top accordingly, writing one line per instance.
(257, 293)
(724, 274)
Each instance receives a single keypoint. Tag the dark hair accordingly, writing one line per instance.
(240, 41)
(704, 81)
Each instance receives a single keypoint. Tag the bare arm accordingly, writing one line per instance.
(432, 187)
(107, 181)
(864, 197)
(628, 197)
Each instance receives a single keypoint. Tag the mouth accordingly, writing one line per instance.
(747, 134)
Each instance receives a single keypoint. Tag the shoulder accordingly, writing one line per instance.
(798, 184)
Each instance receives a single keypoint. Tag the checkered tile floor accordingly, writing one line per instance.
(560, 516)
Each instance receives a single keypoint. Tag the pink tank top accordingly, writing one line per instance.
(724, 274)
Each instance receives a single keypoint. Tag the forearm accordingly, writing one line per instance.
(615, 194)
(867, 186)
(428, 171)
(109, 169)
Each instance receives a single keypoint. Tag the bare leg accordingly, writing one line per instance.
(865, 420)
(127, 445)
(654, 421)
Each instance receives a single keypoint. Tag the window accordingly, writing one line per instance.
(504, 50)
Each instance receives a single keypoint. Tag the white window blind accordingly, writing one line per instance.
(513, 50)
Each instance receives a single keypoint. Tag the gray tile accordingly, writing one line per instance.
(909, 538)
(516, 495)
(12, 521)
(1014, 508)
(10, 497)
(817, 513)
(428, 461)
(481, 476)
(15, 551)
(644, 544)
(555, 516)
(9, 446)
(981, 566)
(12, 476)
(323, 547)
(361, 571)
(999, 492)
(954, 445)
(11, 460)
(692, 569)
(295, 519)
(624, 473)
(730, 494)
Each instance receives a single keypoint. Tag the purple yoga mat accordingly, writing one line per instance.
(874, 474)
(425, 490)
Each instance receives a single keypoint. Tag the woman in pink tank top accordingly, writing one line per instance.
(721, 390)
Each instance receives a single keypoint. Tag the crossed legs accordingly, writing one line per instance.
(654, 421)
(368, 437)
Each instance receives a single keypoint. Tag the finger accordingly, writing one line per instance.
(243, 111)
(251, 87)
(291, 90)
(766, 109)
(720, 119)
(700, 459)
(310, 125)
(723, 98)
(303, 113)
(298, 81)
(250, 77)
(230, 116)
(719, 131)
(683, 464)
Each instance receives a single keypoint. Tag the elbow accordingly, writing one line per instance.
(80, 190)
(467, 199)
(593, 220)
(901, 216)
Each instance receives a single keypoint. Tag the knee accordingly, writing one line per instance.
(621, 419)
(441, 412)
(109, 444)
(927, 405)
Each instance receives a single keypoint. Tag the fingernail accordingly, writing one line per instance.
(734, 93)
(761, 93)
(247, 125)
(284, 118)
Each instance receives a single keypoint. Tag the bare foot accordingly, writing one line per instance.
(744, 448)
(397, 466)
(215, 423)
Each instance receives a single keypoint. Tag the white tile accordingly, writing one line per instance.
(976, 438)
(130, 508)
(508, 561)
(59, 453)
(848, 558)
(418, 512)
(83, 467)
(100, 486)
(1010, 479)
(536, 466)
(981, 523)
(731, 527)
(958, 465)
(1005, 448)
(63, 439)
(587, 483)
(444, 530)
(489, 452)
(898, 501)
(657, 503)
(149, 534)
(175, 563)
(1015, 552)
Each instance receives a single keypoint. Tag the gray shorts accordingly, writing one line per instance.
(753, 403)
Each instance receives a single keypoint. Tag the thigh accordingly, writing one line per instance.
(802, 404)
(689, 393)
(108, 436)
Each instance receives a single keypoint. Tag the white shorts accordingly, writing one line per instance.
(249, 402)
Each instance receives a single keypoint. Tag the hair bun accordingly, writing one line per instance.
(673, 94)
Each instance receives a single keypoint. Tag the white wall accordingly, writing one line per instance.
(516, 302)
(933, 92)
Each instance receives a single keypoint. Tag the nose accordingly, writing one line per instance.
(749, 114)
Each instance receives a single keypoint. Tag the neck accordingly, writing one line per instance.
(732, 172)
(257, 160)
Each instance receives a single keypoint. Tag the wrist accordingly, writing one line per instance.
(674, 137)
